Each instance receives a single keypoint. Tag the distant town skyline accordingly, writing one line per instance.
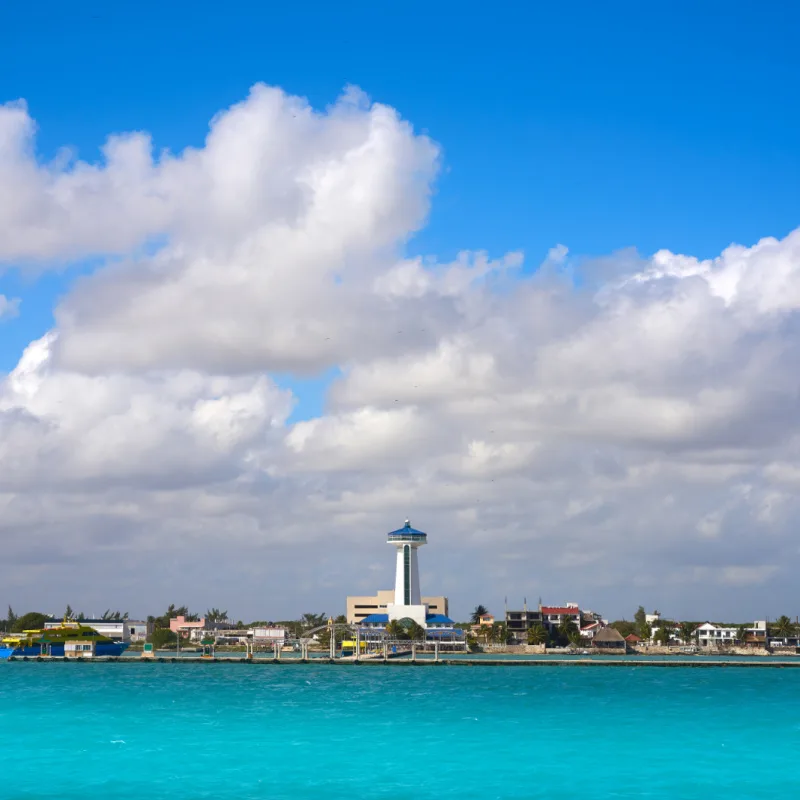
(272, 286)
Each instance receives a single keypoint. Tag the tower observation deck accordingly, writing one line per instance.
(407, 598)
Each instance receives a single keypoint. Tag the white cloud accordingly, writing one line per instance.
(637, 427)
(9, 308)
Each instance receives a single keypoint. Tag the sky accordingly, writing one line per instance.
(273, 280)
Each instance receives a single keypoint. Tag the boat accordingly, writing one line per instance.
(50, 641)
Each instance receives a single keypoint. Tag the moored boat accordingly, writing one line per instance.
(50, 641)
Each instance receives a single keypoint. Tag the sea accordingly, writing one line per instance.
(189, 731)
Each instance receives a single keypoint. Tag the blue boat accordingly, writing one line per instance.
(51, 641)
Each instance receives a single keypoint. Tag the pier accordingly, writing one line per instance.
(409, 662)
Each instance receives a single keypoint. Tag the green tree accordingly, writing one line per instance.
(216, 615)
(640, 617)
(68, 612)
(171, 613)
(416, 632)
(395, 630)
(310, 621)
(537, 634)
(478, 613)
(485, 633)
(783, 627)
(686, 630)
(109, 614)
(10, 619)
(662, 636)
(161, 637)
(566, 629)
(33, 620)
(500, 633)
(624, 627)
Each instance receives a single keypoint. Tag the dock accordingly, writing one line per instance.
(694, 662)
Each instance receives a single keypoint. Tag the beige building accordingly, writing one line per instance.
(360, 607)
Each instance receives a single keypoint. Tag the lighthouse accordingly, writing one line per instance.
(407, 599)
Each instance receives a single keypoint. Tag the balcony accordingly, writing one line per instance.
(407, 536)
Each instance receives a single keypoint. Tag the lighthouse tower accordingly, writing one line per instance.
(407, 600)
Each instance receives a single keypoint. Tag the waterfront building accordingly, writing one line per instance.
(591, 630)
(192, 629)
(405, 602)
(609, 639)
(518, 623)
(268, 636)
(361, 606)
(553, 616)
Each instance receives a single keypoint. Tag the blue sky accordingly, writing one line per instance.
(647, 436)
(603, 128)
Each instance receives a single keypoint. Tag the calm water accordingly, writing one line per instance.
(243, 731)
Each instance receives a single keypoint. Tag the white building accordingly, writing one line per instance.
(120, 630)
(710, 635)
(407, 598)
(268, 636)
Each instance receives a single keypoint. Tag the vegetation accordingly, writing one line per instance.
(215, 615)
(662, 636)
(686, 630)
(537, 634)
(478, 613)
(395, 630)
(8, 623)
(567, 632)
(30, 621)
(161, 637)
(309, 621)
(783, 628)
(171, 613)
(624, 627)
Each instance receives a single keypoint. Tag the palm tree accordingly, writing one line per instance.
(567, 628)
(415, 632)
(500, 633)
(313, 620)
(478, 613)
(485, 633)
(784, 627)
(537, 634)
(686, 630)
(216, 615)
(395, 630)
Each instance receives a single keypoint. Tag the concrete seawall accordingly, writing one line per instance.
(691, 662)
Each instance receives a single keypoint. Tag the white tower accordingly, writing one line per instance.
(407, 599)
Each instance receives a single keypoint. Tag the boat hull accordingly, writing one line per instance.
(57, 650)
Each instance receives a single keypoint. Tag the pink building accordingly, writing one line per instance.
(180, 626)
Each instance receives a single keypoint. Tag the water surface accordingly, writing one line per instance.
(301, 731)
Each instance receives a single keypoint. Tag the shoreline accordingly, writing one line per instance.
(692, 662)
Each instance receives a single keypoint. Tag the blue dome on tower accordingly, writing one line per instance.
(406, 534)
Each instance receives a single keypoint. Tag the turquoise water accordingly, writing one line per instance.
(300, 731)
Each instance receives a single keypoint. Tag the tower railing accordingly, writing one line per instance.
(407, 537)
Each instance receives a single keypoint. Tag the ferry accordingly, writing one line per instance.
(50, 641)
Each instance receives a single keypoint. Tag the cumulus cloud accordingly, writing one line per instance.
(616, 432)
